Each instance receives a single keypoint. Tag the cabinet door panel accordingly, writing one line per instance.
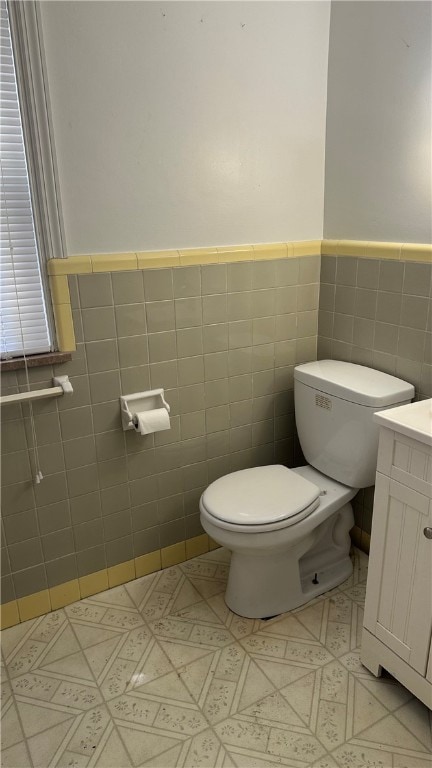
(405, 460)
(399, 596)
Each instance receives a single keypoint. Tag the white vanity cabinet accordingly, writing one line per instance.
(398, 612)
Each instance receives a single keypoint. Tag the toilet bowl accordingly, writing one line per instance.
(288, 529)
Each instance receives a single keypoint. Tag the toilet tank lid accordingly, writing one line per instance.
(355, 383)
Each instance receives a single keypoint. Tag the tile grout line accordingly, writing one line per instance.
(94, 759)
(104, 703)
(66, 739)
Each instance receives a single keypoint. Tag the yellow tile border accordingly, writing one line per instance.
(64, 327)
(196, 546)
(61, 304)
(414, 252)
(64, 594)
(232, 253)
(34, 605)
(121, 573)
(192, 256)
(270, 251)
(59, 287)
(360, 538)
(9, 615)
(75, 265)
(383, 251)
(157, 259)
(328, 247)
(114, 262)
(378, 250)
(40, 603)
(150, 563)
(344, 247)
(93, 583)
(306, 248)
(174, 554)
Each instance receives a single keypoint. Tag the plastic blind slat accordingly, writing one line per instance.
(24, 326)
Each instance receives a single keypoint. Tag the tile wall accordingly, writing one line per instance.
(222, 339)
(377, 312)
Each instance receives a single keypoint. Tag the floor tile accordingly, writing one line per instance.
(16, 756)
(11, 732)
(160, 673)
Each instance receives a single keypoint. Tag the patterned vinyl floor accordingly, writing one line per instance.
(160, 673)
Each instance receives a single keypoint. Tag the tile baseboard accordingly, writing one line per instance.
(40, 603)
(360, 539)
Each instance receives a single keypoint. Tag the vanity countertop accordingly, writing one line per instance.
(413, 420)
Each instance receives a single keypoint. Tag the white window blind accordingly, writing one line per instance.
(24, 326)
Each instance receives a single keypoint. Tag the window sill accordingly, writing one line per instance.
(34, 361)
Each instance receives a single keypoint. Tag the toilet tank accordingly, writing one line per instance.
(334, 405)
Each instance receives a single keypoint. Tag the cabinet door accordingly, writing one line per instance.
(398, 607)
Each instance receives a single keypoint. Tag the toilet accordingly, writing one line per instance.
(288, 529)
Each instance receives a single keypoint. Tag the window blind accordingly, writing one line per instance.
(24, 327)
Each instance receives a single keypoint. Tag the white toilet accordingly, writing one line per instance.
(288, 529)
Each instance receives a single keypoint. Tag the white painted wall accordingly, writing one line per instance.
(180, 124)
(378, 150)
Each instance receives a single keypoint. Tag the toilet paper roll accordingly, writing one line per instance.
(146, 422)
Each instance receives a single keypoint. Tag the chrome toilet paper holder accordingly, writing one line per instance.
(138, 402)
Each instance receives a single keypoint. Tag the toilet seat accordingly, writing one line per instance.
(261, 498)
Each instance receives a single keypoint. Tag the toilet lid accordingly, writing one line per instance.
(259, 495)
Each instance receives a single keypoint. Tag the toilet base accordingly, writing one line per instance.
(255, 609)
(270, 583)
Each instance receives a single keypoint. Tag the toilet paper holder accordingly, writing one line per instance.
(140, 401)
